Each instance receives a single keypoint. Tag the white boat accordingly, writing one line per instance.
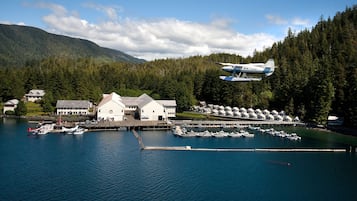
(190, 133)
(219, 134)
(247, 134)
(206, 133)
(79, 131)
(44, 129)
(294, 136)
(69, 130)
(235, 134)
(178, 131)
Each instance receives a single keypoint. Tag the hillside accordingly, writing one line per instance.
(20, 44)
(316, 77)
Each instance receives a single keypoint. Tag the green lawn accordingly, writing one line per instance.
(34, 109)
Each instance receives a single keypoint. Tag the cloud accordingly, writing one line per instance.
(110, 11)
(274, 19)
(300, 22)
(10, 23)
(296, 24)
(156, 38)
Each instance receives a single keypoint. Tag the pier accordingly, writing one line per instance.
(189, 148)
(140, 140)
(130, 124)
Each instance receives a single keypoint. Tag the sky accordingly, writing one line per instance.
(159, 29)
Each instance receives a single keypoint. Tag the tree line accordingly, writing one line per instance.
(316, 76)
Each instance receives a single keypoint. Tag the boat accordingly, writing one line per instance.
(190, 133)
(42, 130)
(247, 134)
(178, 131)
(69, 130)
(219, 134)
(79, 131)
(206, 133)
(235, 134)
(294, 136)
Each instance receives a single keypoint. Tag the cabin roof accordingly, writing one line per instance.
(82, 104)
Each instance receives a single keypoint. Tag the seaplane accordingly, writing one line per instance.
(70, 130)
(240, 71)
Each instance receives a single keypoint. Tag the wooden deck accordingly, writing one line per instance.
(128, 125)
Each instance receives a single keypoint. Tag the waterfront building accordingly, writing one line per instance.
(114, 107)
(111, 108)
(73, 107)
(10, 105)
(34, 95)
(169, 106)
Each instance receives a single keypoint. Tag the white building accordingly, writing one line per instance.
(170, 107)
(111, 108)
(73, 107)
(114, 107)
(10, 105)
(34, 95)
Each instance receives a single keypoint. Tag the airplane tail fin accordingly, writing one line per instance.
(269, 67)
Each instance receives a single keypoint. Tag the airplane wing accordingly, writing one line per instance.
(226, 64)
(239, 79)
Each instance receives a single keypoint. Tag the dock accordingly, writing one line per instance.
(131, 124)
(189, 148)
(135, 124)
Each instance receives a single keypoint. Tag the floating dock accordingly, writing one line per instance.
(189, 148)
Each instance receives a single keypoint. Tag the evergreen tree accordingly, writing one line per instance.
(21, 109)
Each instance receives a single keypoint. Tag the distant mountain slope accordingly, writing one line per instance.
(22, 43)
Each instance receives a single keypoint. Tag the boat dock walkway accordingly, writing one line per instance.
(189, 148)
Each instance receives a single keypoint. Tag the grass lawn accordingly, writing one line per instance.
(34, 109)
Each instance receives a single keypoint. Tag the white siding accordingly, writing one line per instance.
(170, 111)
(72, 111)
(152, 111)
(111, 111)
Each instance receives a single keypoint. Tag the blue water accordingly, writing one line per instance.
(110, 166)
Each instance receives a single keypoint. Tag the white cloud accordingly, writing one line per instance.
(295, 25)
(300, 22)
(10, 23)
(159, 38)
(110, 11)
(274, 19)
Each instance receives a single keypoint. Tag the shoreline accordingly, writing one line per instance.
(330, 129)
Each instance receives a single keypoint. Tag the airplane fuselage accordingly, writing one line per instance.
(257, 68)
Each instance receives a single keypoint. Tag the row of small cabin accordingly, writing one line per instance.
(112, 107)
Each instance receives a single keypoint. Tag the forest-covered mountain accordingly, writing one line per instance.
(316, 77)
(21, 44)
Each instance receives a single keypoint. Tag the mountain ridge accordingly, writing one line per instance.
(25, 43)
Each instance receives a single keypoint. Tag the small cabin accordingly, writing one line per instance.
(10, 105)
(34, 95)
